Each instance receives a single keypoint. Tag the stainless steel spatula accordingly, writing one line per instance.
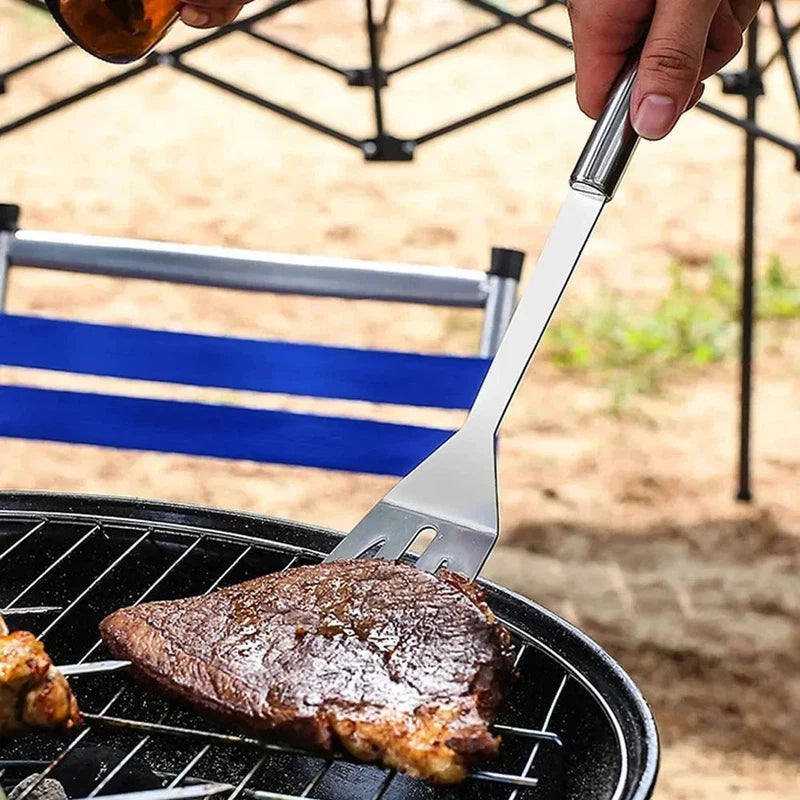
(454, 491)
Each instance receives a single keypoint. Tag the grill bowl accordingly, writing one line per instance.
(574, 725)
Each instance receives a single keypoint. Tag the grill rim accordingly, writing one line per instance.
(635, 729)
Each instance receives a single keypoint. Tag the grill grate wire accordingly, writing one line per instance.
(191, 773)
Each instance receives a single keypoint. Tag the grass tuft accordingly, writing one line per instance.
(633, 350)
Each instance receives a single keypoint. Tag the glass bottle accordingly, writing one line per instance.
(119, 31)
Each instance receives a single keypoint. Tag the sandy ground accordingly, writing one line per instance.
(626, 526)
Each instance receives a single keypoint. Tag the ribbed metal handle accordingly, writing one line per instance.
(610, 147)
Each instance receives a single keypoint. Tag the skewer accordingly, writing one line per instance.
(8, 612)
(68, 669)
(92, 668)
(177, 793)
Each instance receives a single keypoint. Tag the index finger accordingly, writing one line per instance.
(603, 33)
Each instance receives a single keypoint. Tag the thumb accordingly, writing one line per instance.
(669, 67)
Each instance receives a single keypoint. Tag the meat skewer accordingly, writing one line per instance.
(33, 693)
(66, 670)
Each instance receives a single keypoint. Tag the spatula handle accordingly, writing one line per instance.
(612, 142)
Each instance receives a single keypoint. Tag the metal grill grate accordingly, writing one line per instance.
(85, 567)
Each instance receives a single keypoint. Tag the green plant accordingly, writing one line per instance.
(779, 295)
(633, 349)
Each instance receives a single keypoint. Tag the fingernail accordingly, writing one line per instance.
(191, 16)
(655, 116)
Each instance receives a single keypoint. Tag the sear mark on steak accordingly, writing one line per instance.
(33, 693)
(369, 656)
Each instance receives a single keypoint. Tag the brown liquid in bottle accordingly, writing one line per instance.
(115, 30)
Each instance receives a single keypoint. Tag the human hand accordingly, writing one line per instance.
(210, 13)
(685, 41)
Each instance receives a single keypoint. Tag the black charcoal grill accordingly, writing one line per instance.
(573, 725)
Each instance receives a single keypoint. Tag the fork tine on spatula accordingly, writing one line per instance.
(454, 491)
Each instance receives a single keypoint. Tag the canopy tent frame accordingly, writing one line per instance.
(385, 145)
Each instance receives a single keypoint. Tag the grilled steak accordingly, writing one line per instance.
(33, 693)
(371, 656)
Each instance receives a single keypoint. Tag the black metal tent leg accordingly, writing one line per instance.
(748, 276)
(785, 35)
(375, 70)
(383, 146)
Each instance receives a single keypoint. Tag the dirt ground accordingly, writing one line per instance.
(627, 527)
